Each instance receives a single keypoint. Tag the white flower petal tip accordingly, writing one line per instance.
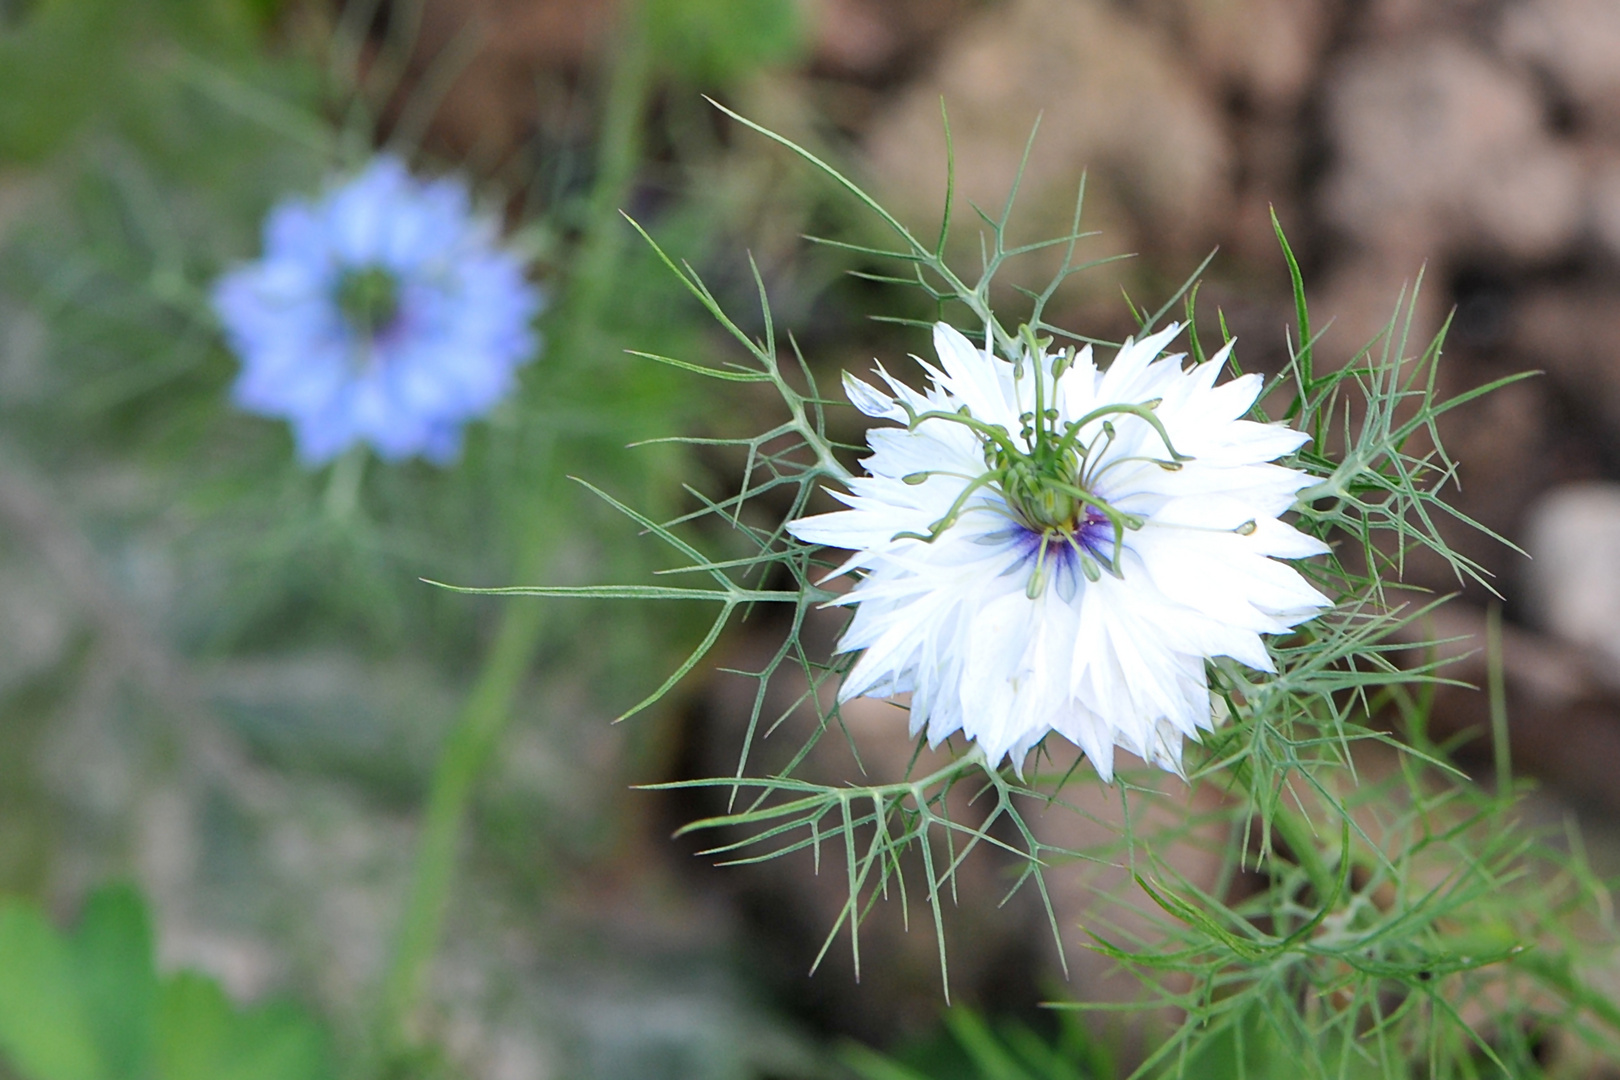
(871, 401)
(1061, 549)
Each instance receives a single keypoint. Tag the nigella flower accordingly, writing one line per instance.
(382, 312)
(1049, 547)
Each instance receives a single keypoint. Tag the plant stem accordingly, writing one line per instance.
(1296, 832)
(343, 483)
(477, 730)
(618, 154)
(483, 718)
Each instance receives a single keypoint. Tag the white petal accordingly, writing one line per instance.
(871, 401)
(973, 378)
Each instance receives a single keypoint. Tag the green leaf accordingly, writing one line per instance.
(700, 369)
(43, 1031)
(194, 1022)
(202, 1037)
(91, 1007)
(993, 1060)
(276, 1042)
(112, 964)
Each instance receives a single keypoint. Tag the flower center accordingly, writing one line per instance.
(1043, 494)
(1069, 527)
(1047, 475)
(368, 297)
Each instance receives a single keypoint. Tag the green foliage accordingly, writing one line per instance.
(1253, 1042)
(90, 1006)
(156, 135)
(1406, 925)
(124, 234)
(202, 1037)
(716, 42)
(970, 1048)
(42, 1021)
(45, 98)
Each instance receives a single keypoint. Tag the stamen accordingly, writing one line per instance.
(1047, 476)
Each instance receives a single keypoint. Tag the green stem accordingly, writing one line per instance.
(619, 151)
(482, 721)
(343, 483)
(1295, 831)
(477, 731)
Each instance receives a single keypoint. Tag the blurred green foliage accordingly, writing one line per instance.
(716, 42)
(967, 1046)
(141, 144)
(144, 183)
(90, 1006)
(48, 50)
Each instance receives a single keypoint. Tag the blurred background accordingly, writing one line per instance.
(213, 686)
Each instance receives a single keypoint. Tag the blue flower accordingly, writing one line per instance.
(382, 312)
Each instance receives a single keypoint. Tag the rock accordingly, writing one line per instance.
(1442, 150)
(1573, 588)
(1570, 333)
(1389, 20)
(852, 36)
(1605, 202)
(1502, 445)
(1355, 301)
(1562, 707)
(871, 39)
(1265, 50)
(1577, 44)
(1114, 98)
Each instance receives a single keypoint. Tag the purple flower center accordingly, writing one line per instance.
(1093, 535)
(1062, 556)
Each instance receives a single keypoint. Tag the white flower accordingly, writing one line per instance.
(1050, 547)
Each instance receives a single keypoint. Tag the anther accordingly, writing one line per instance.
(1037, 582)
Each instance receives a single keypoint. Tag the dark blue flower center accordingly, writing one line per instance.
(1063, 555)
(368, 297)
